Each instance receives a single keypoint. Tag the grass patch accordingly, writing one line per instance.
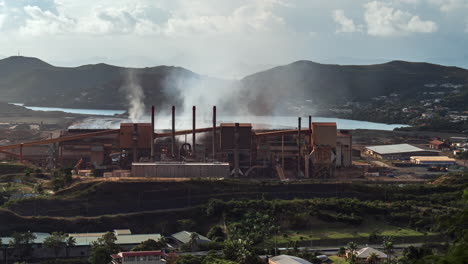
(338, 260)
(341, 231)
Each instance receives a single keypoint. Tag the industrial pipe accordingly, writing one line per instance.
(152, 133)
(194, 147)
(214, 133)
(173, 133)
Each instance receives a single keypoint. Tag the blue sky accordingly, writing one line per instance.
(232, 38)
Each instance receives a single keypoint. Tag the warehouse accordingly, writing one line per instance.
(397, 151)
(430, 161)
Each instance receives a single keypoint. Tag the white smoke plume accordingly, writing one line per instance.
(135, 95)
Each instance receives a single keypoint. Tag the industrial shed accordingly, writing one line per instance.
(429, 161)
(180, 169)
(398, 151)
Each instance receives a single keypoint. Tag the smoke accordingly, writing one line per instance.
(135, 96)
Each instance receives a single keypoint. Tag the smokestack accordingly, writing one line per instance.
(310, 131)
(152, 133)
(194, 109)
(21, 153)
(135, 142)
(299, 123)
(236, 150)
(214, 133)
(173, 150)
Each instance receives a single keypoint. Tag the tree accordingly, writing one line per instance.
(22, 243)
(149, 245)
(341, 251)
(388, 248)
(193, 242)
(188, 259)
(70, 242)
(372, 258)
(240, 251)
(216, 234)
(103, 248)
(351, 247)
(55, 241)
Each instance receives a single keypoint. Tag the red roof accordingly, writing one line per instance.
(142, 253)
(436, 142)
(115, 256)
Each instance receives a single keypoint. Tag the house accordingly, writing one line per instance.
(439, 145)
(140, 257)
(362, 255)
(286, 259)
(184, 237)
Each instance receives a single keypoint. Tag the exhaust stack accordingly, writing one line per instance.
(194, 109)
(152, 134)
(214, 133)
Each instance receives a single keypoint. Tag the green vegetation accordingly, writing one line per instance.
(102, 249)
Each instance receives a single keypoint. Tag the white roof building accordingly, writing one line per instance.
(364, 253)
(286, 259)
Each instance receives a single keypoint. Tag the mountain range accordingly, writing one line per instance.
(101, 86)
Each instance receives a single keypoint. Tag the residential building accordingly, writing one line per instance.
(286, 259)
(184, 237)
(439, 145)
(140, 257)
(363, 254)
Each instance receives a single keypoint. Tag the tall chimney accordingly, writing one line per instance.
(173, 150)
(194, 109)
(310, 131)
(299, 123)
(152, 133)
(236, 150)
(214, 133)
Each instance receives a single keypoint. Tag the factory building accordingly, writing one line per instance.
(225, 150)
(397, 152)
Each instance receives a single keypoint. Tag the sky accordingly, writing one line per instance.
(234, 38)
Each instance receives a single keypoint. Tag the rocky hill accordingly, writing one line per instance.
(274, 91)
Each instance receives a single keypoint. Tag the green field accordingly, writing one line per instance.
(341, 231)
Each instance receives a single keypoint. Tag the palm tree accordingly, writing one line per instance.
(342, 251)
(193, 242)
(388, 248)
(372, 258)
(69, 242)
(352, 247)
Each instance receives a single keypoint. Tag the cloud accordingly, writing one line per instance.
(450, 5)
(41, 22)
(346, 24)
(384, 21)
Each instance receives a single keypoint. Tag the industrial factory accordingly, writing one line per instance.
(220, 151)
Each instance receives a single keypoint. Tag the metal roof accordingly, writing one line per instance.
(286, 259)
(40, 237)
(121, 239)
(365, 252)
(184, 237)
(395, 149)
(435, 158)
